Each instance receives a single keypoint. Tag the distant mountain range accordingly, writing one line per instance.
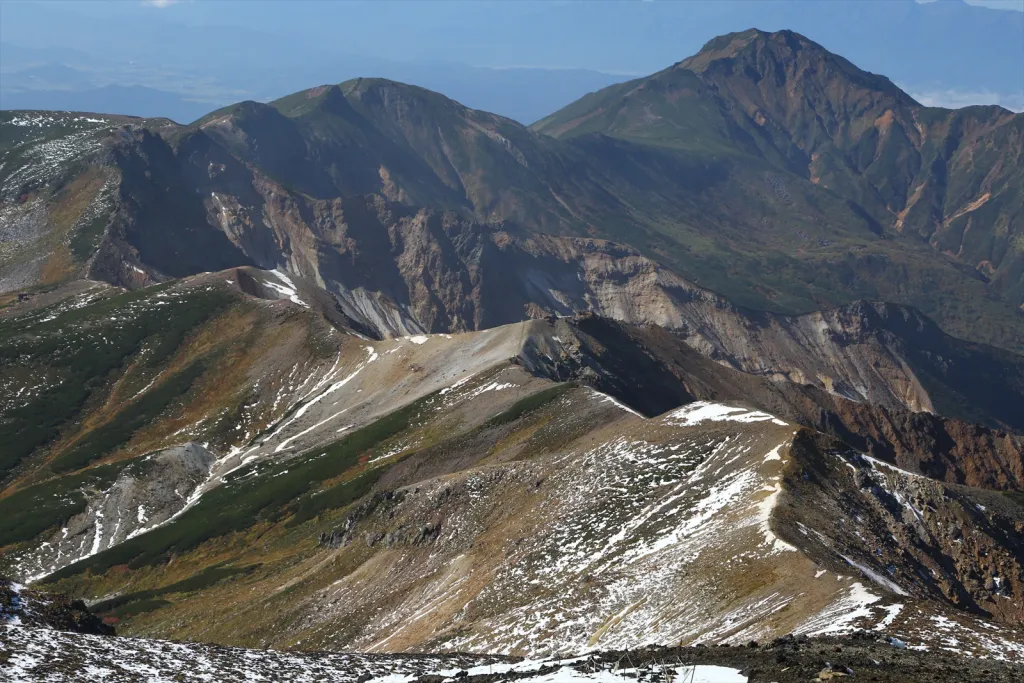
(764, 168)
(35, 80)
(946, 53)
(132, 100)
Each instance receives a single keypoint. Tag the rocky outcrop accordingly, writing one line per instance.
(915, 535)
(381, 504)
(147, 493)
(24, 607)
(946, 449)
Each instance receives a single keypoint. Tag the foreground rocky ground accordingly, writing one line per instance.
(39, 654)
(45, 637)
(860, 656)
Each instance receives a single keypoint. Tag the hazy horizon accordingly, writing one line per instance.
(522, 59)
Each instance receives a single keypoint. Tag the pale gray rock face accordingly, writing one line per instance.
(392, 271)
(146, 494)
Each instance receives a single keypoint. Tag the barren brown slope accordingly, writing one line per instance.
(576, 524)
(225, 373)
(426, 472)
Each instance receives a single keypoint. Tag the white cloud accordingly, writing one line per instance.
(160, 4)
(1014, 5)
(954, 99)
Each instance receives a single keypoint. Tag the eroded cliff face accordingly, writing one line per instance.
(168, 202)
(396, 271)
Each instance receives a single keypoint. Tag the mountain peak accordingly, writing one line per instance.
(782, 57)
(750, 44)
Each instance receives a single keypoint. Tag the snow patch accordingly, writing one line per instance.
(287, 288)
(841, 616)
(875, 576)
(702, 411)
(608, 399)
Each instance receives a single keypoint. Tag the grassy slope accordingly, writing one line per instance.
(80, 352)
(260, 528)
(92, 382)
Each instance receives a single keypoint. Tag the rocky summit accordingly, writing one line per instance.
(714, 375)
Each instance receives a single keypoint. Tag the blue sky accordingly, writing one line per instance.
(944, 52)
(626, 36)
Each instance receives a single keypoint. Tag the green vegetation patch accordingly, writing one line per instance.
(27, 513)
(77, 351)
(260, 492)
(135, 415)
(132, 602)
(87, 238)
(529, 404)
(338, 496)
(1016, 496)
(138, 607)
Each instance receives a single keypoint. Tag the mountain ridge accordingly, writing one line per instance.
(365, 368)
(378, 136)
(356, 483)
(864, 394)
(867, 124)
